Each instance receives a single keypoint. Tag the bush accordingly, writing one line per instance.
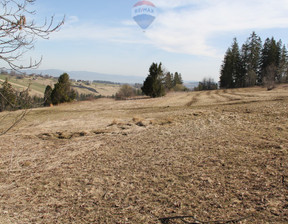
(125, 92)
(86, 97)
(179, 87)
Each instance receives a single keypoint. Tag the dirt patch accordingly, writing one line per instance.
(61, 135)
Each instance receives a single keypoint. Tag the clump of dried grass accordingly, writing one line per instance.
(165, 121)
(139, 121)
(115, 122)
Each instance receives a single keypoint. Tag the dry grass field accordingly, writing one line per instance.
(216, 155)
(37, 86)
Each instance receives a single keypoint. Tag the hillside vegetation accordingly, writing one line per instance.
(38, 84)
(214, 155)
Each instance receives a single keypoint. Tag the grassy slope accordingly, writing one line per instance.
(38, 86)
(216, 155)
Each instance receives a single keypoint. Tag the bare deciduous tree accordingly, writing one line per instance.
(270, 73)
(18, 31)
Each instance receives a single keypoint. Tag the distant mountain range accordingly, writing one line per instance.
(91, 76)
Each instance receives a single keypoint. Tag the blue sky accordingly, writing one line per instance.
(188, 36)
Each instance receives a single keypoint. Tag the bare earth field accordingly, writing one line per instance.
(216, 155)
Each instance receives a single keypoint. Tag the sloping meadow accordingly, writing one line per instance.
(213, 156)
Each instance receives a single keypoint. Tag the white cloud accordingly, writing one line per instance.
(184, 26)
(166, 4)
(75, 30)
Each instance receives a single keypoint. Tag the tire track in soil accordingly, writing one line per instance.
(194, 100)
(212, 97)
(243, 95)
(218, 97)
(228, 96)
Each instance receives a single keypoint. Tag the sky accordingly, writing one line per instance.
(188, 36)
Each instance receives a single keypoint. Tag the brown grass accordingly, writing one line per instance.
(222, 157)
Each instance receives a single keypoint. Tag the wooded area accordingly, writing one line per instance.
(254, 64)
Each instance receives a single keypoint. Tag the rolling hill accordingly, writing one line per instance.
(212, 155)
(37, 85)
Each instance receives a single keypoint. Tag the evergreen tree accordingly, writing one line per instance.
(237, 67)
(231, 74)
(226, 79)
(153, 85)
(7, 96)
(271, 53)
(177, 79)
(169, 81)
(256, 64)
(251, 55)
(62, 91)
(282, 74)
(47, 96)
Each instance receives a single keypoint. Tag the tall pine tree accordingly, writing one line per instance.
(282, 74)
(153, 86)
(62, 91)
(169, 80)
(270, 58)
(7, 97)
(177, 79)
(251, 55)
(256, 64)
(231, 70)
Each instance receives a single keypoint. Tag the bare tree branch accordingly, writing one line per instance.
(18, 34)
(17, 121)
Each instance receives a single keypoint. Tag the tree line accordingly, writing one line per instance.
(11, 99)
(62, 92)
(157, 84)
(158, 81)
(206, 84)
(254, 63)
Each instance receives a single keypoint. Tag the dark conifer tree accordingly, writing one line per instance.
(282, 75)
(226, 79)
(251, 55)
(238, 74)
(47, 96)
(169, 80)
(7, 96)
(271, 53)
(231, 70)
(153, 86)
(256, 64)
(177, 79)
(62, 91)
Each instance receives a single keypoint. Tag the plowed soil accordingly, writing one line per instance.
(216, 155)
